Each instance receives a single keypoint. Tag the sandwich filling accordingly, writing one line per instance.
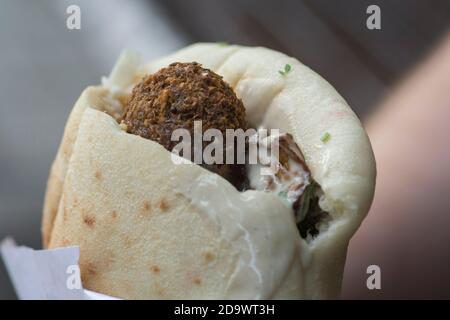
(289, 178)
(177, 96)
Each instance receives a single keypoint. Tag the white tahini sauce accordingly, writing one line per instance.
(259, 227)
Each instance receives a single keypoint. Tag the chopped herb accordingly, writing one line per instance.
(284, 72)
(222, 44)
(326, 137)
(307, 197)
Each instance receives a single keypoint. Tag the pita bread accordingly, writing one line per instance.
(148, 228)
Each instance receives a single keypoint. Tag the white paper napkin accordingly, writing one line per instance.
(46, 274)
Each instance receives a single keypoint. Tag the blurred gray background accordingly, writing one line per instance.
(44, 66)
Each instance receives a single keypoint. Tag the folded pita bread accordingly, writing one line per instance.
(150, 229)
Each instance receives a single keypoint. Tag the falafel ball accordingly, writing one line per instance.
(175, 97)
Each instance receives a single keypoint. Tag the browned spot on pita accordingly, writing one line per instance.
(114, 214)
(163, 205)
(65, 242)
(127, 241)
(155, 269)
(145, 208)
(61, 242)
(98, 175)
(91, 269)
(89, 220)
(208, 256)
(197, 281)
(54, 211)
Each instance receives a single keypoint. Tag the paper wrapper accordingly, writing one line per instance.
(46, 274)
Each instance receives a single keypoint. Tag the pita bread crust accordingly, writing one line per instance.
(90, 96)
(138, 237)
(301, 103)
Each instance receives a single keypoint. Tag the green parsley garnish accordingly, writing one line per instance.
(308, 195)
(325, 137)
(284, 72)
(222, 44)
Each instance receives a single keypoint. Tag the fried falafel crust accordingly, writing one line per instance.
(175, 97)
